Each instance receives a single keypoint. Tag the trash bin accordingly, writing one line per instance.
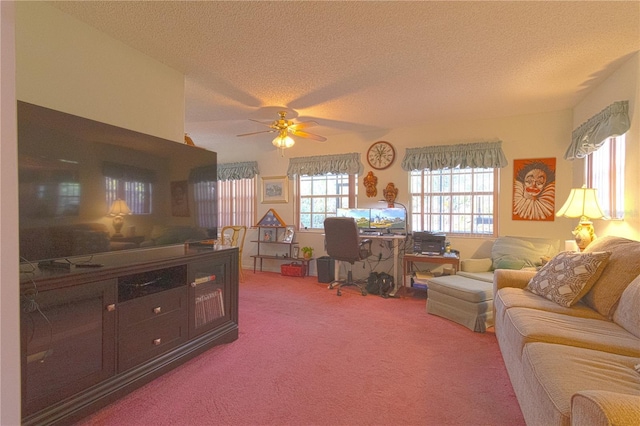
(326, 266)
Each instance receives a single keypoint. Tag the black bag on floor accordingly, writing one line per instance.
(380, 284)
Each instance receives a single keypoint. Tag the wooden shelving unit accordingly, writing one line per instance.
(276, 237)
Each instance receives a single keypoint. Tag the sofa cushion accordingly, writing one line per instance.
(597, 407)
(462, 288)
(525, 325)
(556, 372)
(568, 276)
(528, 250)
(476, 265)
(480, 276)
(622, 268)
(510, 264)
(628, 312)
(510, 297)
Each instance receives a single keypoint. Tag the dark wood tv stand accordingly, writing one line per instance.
(91, 335)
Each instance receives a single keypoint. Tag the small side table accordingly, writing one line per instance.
(411, 258)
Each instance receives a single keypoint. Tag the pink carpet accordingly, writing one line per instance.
(308, 357)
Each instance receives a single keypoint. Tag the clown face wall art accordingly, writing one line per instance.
(534, 189)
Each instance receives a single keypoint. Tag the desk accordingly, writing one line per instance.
(395, 239)
(411, 258)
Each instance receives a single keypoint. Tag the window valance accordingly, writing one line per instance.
(589, 137)
(237, 171)
(203, 174)
(323, 164)
(474, 155)
(126, 172)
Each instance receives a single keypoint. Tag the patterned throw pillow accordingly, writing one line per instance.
(568, 276)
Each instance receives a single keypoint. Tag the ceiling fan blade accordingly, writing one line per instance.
(269, 124)
(255, 133)
(307, 135)
(303, 125)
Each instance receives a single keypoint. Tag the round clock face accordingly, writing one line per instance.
(380, 155)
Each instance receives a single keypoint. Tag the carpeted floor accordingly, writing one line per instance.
(308, 357)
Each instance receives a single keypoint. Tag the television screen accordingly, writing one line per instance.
(87, 187)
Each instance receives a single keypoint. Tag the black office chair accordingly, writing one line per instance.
(342, 242)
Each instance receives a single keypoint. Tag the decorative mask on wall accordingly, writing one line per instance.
(370, 182)
(390, 193)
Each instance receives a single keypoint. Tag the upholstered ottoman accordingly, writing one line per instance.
(466, 301)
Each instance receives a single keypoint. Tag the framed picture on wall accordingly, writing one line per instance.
(534, 189)
(275, 189)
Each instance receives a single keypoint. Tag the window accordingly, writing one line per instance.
(605, 172)
(458, 201)
(136, 194)
(322, 195)
(236, 202)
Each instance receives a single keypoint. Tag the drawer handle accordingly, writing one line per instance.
(157, 342)
(111, 307)
(157, 310)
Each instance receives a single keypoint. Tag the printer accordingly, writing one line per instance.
(429, 243)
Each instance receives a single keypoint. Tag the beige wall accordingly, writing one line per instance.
(63, 64)
(9, 292)
(532, 136)
(68, 66)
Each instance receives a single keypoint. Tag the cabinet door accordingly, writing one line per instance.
(211, 296)
(68, 341)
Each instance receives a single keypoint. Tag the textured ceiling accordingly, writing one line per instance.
(363, 67)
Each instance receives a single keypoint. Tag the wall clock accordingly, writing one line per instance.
(380, 155)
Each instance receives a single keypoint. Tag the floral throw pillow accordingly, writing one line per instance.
(568, 276)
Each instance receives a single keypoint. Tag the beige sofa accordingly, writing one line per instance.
(577, 365)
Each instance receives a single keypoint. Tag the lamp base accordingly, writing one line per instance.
(584, 234)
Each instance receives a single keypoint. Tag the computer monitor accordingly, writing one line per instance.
(361, 216)
(388, 218)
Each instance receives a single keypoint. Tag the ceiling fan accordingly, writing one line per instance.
(285, 127)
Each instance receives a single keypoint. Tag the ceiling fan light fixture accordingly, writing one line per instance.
(283, 140)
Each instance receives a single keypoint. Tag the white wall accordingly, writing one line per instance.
(623, 84)
(9, 294)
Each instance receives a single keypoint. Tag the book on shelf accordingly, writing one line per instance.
(209, 307)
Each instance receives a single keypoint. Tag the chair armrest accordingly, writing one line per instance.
(476, 265)
(597, 408)
(511, 278)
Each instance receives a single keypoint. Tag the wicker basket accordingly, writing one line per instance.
(293, 269)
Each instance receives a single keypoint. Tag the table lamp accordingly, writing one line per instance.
(118, 209)
(582, 203)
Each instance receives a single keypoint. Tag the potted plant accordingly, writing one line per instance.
(307, 252)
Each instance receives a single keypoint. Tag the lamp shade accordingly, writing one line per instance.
(581, 202)
(283, 140)
(119, 208)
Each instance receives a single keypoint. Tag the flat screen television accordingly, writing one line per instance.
(87, 187)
